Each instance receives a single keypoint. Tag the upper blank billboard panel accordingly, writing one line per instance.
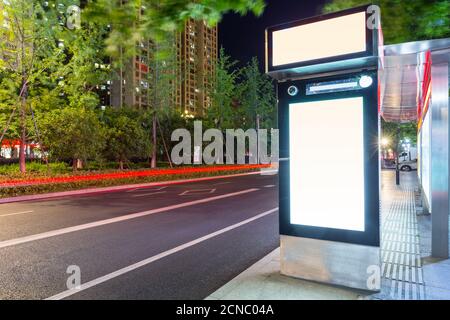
(320, 40)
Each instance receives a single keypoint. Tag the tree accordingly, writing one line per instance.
(173, 119)
(73, 133)
(258, 99)
(84, 69)
(29, 53)
(223, 112)
(8, 104)
(158, 17)
(157, 21)
(405, 21)
(396, 132)
(125, 136)
(162, 80)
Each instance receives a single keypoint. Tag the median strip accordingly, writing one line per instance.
(128, 188)
(128, 174)
(154, 258)
(44, 235)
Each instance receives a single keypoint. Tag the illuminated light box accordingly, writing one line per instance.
(327, 163)
(328, 120)
(329, 209)
(337, 41)
(318, 40)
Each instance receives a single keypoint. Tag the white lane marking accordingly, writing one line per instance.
(146, 189)
(197, 191)
(15, 213)
(147, 194)
(154, 258)
(269, 186)
(48, 234)
(220, 183)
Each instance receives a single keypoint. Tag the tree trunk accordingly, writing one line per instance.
(153, 161)
(121, 164)
(77, 164)
(23, 139)
(23, 97)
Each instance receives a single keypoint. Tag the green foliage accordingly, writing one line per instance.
(405, 21)
(170, 120)
(46, 66)
(125, 136)
(72, 133)
(85, 68)
(29, 52)
(405, 130)
(8, 101)
(257, 97)
(34, 168)
(162, 78)
(224, 96)
(60, 70)
(240, 95)
(159, 18)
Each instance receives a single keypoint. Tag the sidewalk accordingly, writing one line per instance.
(436, 271)
(403, 275)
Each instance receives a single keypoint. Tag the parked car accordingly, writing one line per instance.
(408, 160)
(408, 165)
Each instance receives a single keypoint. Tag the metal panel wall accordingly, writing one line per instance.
(439, 159)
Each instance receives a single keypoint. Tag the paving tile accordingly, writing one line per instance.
(437, 275)
(433, 293)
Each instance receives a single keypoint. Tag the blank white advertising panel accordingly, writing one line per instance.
(327, 163)
(318, 40)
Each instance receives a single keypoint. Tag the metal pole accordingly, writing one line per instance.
(397, 165)
(257, 138)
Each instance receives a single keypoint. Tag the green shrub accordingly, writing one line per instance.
(12, 170)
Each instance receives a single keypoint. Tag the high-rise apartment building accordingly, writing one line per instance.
(130, 85)
(196, 55)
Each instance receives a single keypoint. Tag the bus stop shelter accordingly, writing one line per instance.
(414, 86)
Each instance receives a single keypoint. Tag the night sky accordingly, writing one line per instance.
(243, 37)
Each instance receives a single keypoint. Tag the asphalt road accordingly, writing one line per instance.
(175, 242)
